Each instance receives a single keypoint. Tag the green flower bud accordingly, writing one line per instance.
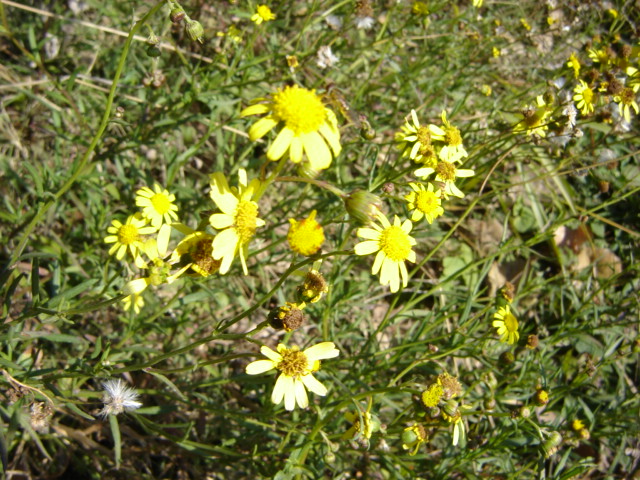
(195, 31)
(362, 206)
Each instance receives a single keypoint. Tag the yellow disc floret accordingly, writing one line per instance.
(300, 109)
(294, 363)
(395, 244)
(245, 220)
(305, 236)
(128, 234)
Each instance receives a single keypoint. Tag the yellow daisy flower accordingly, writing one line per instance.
(305, 236)
(133, 301)
(574, 63)
(446, 172)
(413, 437)
(432, 395)
(129, 237)
(584, 97)
(415, 141)
(393, 246)
(626, 100)
(425, 202)
(263, 14)
(238, 221)
(452, 150)
(158, 207)
(296, 369)
(157, 274)
(535, 119)
(507, 325)
(195, 252)
(307, 126)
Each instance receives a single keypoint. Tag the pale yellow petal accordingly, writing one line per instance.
(301, 394)
(257, 109)
(368, 233)
(332, 137)
(270, 354)
(259, 366)
(262, 127)
(163, 239)
(367, 248)
(220, 221)
(314, 385)
(321, 351)
(317, 151)
(289, 393)
(282, 383)
(377, 263)
(136, 286)
(280, 144)
(295, 150)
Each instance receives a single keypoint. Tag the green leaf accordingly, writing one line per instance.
(117, 441)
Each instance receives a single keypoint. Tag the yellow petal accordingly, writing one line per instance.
(280, 144)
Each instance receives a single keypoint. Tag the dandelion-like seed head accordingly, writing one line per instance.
(395, 243)
(118, 398)
(300, 109)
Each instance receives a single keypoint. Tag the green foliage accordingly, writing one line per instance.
(91, 112)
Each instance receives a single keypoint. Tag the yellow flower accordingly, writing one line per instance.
(525, 24)
(584, 97)
(420, 8)
(446, 173)
(507, 325)
(477, 3)
(432, 395)
(362, 429)
(238, 221)
(577, 425)
(158, 207)
(129, 237)
(600, 56)
(626, 100)
(535, 119)
(296, 369)
(452, 150)
(195, 252)
(233, 33)
(425, 202)
(133, 301)
(305, 236)
(307, 126)
(413, 437)
(393, 246)
(575, 64)
(157, 274)
(263, 14)
(415, 141)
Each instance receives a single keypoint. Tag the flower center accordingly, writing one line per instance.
(128, 234)
(395, 244)
(587, 95)
(424, 136)
(202, 258)
(452, 136)
(431, 397)
(294, 363)
(300, 109)
(511, 323)
(245, 220)
(627, 96)
(161, 203)
(427, 201)
(446, 171)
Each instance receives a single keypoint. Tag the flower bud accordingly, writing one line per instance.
(195, 31)
(551, 444)
(541, 397)
(288, 317)
(177, 13)
(362, 206)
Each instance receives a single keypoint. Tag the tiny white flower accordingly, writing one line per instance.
(364, 23)
(326, 58)
(118, 398)
(333, 21)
